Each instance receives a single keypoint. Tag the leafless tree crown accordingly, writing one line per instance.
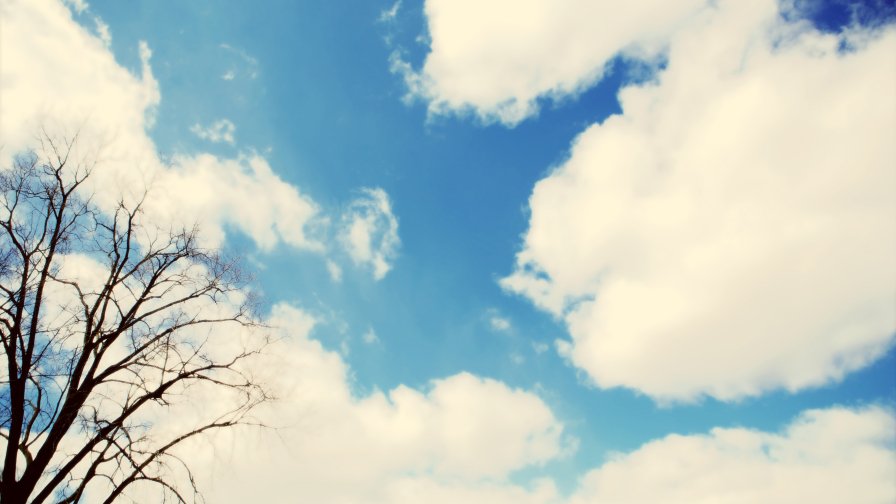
(93, 360)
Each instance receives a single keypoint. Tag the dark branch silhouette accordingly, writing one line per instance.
(91, 365)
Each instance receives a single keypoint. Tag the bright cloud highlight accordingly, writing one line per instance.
(459, 439)
(462, 435)
(498, 59)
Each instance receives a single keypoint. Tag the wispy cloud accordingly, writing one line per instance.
(79, 6)
(389, 15)
(369, 337)
(221, 130)
(369, 231)
(499, 323)
(334, 271)
(248, 64)
(102, 30)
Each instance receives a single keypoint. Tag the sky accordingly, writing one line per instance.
(521, 251)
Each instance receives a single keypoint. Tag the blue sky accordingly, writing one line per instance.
(455, 115)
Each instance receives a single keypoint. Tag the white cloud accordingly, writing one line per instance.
(457, 436)
(221, 130)
(498, 58)
(112, 109)
(462, 435)
(243, 192)
(461, 438)
(458, 440)
(369, 231)
(826, 456)
(731, 231)
(99, 96)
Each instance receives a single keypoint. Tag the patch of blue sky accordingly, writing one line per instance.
(836, 15)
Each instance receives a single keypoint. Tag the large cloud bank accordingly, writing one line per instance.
(732, 230)
(462, 437)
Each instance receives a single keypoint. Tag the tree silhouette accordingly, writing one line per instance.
(106, 322)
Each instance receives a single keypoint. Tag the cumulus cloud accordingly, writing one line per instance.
(111, 110)
(731, 231)
(461, 435)
(100, 97)
(496, 59)
(369, 232)
(217, 191)
(825, 456)
(461, 438)
(458, 435)
(221, 130)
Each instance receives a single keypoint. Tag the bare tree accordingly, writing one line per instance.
(93, 364)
